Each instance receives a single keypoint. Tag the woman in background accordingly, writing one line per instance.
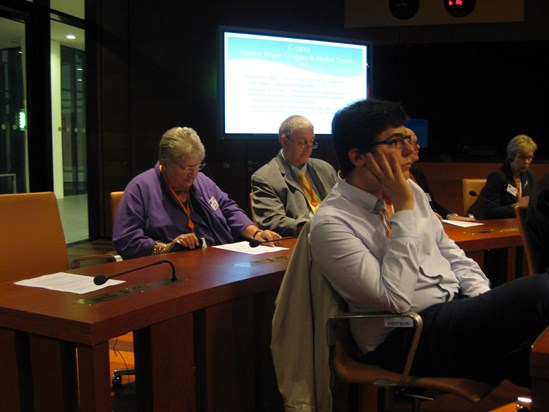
(510, 185)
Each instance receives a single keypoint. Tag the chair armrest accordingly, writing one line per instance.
(104, 258)
(407, 319)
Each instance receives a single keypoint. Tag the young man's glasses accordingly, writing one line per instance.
(397, 143)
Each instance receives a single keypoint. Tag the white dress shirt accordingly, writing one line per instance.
(414, 268)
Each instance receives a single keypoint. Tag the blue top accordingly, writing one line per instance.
(149, 213)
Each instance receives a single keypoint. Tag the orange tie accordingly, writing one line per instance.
(312, 197)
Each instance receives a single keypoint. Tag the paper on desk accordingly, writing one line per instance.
(461, 223)
(244, 247)
(67, 282)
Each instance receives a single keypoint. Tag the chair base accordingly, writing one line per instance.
(119, 373)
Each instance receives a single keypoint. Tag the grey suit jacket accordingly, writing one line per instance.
(279, 202)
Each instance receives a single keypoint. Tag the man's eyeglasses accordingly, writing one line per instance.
(397, 143)
(313, 145)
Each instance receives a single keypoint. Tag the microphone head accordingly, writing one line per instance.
(473, 193)
(100, 279)
(254, 243)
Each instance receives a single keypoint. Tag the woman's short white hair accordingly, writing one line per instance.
(180, 142)
(520, 144)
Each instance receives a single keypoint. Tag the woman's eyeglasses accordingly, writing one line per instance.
(194, 167)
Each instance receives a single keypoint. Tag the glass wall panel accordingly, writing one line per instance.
(13, 130)
(68, 109)
(69, 127)
(72, 7)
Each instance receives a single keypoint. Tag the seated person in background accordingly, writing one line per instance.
(419, 177)
(174, 206)
(509, 185)
(381, 247)
(280, 200)
(537, 221)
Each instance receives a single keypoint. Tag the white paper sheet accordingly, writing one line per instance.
(67, 282)
(244, 247)
(462, 224)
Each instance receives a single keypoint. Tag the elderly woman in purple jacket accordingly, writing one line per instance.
(174, 206)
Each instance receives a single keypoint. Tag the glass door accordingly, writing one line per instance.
(13, 130)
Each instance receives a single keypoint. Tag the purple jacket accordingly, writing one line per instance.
(149, 213)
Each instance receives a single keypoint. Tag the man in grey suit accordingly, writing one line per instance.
(280, 201)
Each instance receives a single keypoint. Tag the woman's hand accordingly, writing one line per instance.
(188, 240)
(461, 218)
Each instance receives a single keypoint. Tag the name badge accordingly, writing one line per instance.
(399, 322)
(512, 190)
(213, 203)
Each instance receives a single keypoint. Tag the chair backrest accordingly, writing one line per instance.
(469, 185)
(115, 200)
(521, 212)
(32, 241)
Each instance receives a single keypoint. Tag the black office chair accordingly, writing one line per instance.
(346, 361)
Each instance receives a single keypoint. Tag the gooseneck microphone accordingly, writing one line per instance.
(101, 279)
(256, 243)
(475, 194)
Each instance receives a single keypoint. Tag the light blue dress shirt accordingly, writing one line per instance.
(416, 267)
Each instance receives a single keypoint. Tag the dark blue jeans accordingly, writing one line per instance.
(487, 337)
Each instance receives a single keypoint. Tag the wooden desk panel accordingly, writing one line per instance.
(212, 285)
(493, 234)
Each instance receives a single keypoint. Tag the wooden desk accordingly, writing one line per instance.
(200, 343)
(494, 234)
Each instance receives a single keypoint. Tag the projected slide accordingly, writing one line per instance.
(268, 78)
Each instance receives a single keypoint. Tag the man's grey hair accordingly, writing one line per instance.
(293, 123)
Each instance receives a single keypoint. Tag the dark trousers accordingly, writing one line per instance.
(487, 337)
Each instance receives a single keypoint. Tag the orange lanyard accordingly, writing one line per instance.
(386, 215)
(185, 206)
(518, 184)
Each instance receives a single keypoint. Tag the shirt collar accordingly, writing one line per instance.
(295, 170)
(358, 196)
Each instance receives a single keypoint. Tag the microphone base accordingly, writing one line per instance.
(126, 291)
